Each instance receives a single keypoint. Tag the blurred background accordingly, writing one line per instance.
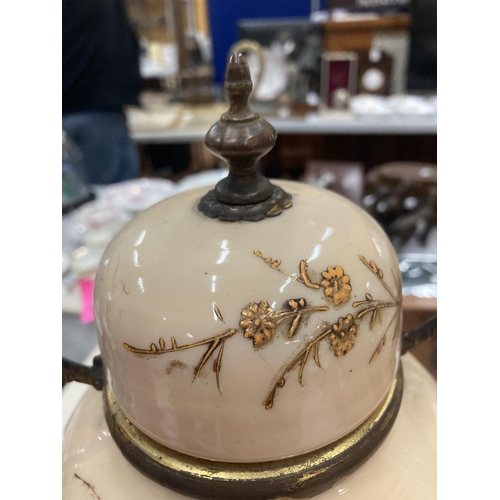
(349, 85)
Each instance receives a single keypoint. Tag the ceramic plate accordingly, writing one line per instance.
(367, 105)
(202, 179)
(96, 223)
(66, 262)
(138, 194)
(86, 260)
(412, 105)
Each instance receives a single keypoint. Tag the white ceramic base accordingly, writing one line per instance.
(404, 467)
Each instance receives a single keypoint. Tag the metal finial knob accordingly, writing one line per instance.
(241, 137)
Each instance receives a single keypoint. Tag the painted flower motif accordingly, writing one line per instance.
(344, 336)
(295, 304)
(337, 285)
(258, 322)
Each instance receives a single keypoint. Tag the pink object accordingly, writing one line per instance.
(87, 296)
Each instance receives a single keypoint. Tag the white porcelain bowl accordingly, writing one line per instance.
(367, 105)
(201, 179)
(410, 105)
(138, 194)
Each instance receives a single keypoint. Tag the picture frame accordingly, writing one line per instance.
(339, 73)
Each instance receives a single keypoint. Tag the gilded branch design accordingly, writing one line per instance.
(88, 485)
(375, 307)
(336, 285)
(259, 322)
(218, 313)
(342, 334)
(213, 343)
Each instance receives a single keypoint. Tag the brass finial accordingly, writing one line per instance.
(241, 137)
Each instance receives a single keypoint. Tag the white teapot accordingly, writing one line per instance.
(267, 67)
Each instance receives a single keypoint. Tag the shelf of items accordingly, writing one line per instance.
(178, 124)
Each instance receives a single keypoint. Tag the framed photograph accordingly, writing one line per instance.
(339, 73)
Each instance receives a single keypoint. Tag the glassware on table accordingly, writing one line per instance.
(75, 189)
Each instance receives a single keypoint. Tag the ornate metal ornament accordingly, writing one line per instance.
(302, 476)
(240, 138)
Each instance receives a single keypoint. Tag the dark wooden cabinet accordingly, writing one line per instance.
(357, 35)
(289, 157)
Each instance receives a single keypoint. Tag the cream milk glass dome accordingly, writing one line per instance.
(251, 333)
(249, 341)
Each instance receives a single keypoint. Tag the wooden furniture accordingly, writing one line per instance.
(291, 153)
(357, 35)
(416, 310)
(368, 67)
(389, 34)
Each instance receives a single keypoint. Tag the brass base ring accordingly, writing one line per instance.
(302, 476)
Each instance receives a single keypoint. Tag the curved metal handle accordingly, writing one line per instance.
(246, 45)
(76, 372)
(423, 332)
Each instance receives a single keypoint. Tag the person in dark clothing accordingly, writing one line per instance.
(100, 75)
